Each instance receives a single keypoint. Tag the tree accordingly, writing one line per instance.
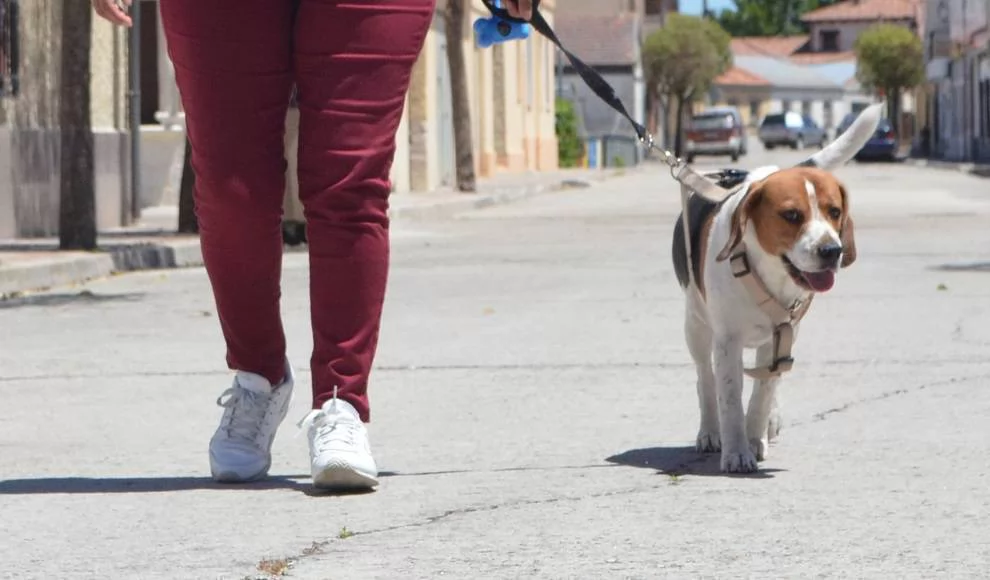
(768, 17)
(77, 186)
(454, 20)
(188, 224)
(890, 59)
(681, 60)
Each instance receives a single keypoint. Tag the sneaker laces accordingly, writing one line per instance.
(247, 412)
(331, 428)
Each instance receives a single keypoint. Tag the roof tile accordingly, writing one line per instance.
(865, 10)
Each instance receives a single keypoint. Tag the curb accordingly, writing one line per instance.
(78, 267)
(119, 257)
(969, 168)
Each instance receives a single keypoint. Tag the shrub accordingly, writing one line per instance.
(570, 147)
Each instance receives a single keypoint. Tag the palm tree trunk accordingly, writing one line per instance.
(454, 16)
(679, 125)
(77, 195)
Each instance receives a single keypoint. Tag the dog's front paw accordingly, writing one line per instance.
(708, 441)
(759, 448)
(738, 461)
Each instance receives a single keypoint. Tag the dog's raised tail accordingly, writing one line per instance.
(847, 145)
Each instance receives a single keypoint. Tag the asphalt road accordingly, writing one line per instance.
(534, 410)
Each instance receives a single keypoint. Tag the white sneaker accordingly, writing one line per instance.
(241, 448)
(339, 451)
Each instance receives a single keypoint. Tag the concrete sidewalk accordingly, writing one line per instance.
(977, 169)
(36, 264)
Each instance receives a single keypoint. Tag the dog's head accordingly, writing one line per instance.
(800, 216)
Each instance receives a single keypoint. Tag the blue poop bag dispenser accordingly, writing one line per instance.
(488, 31)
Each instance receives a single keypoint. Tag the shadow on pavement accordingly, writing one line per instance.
(683, 460)
(84, 485)
(65, 299)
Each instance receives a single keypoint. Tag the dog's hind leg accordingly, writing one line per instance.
(762, 407)
(699, 341)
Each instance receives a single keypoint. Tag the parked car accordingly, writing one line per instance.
(795, 130)
(716, 131)
(883, 143)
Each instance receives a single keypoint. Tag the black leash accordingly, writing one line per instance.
(678, 169)
(589, 75)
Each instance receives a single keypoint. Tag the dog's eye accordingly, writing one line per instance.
(792, 216)
(834, 213)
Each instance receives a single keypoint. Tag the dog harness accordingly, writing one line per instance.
(783, 318)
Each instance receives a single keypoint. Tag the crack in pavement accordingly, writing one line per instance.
(318, 548)
(823, 415)
(871, 362)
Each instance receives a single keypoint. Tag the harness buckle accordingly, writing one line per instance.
(740, 265)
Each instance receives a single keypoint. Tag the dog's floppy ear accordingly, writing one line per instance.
(846, 234)
(739, 218)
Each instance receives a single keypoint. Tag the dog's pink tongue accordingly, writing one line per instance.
(820, 281)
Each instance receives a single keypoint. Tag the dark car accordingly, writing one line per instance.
(883, 143)
(716, 131)
(791, 129)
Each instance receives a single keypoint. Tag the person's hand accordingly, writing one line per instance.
(520, 8)
(112, 10)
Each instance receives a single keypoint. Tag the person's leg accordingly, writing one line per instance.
(233, 67)
(353, 65)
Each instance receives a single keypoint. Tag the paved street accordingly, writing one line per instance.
(534, 410)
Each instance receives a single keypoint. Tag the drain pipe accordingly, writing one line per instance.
(134, 92)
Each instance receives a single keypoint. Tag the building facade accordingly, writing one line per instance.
(29, 120)
(957, 50)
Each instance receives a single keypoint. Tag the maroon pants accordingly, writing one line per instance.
(235, 65)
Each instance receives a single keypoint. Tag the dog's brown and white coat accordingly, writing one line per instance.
(794, 229)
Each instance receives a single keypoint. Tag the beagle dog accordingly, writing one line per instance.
(750, 266)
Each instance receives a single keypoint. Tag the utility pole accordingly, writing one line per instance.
(134, 91)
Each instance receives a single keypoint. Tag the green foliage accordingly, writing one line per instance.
(570, 147)
(684, 57)
(768, 17)
(890, 58)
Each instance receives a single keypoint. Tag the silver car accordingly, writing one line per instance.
(795, 130)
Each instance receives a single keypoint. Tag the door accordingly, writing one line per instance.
(444, 112)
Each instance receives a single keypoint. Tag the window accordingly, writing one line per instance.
(828, 40)
(984, 96)
(754, 112)
(529, 72)
(654, 7)
(548, 77)
(9, 48)
(985, 108)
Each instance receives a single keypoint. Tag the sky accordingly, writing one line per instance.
(694, 6)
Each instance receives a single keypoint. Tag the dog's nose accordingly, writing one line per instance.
(830, 254)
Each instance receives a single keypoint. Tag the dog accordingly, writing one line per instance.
(756, 260)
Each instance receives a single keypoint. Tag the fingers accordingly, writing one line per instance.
(110, 10)
(520, 9)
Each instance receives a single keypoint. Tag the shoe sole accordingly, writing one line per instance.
(343, 479)
(231, 477)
